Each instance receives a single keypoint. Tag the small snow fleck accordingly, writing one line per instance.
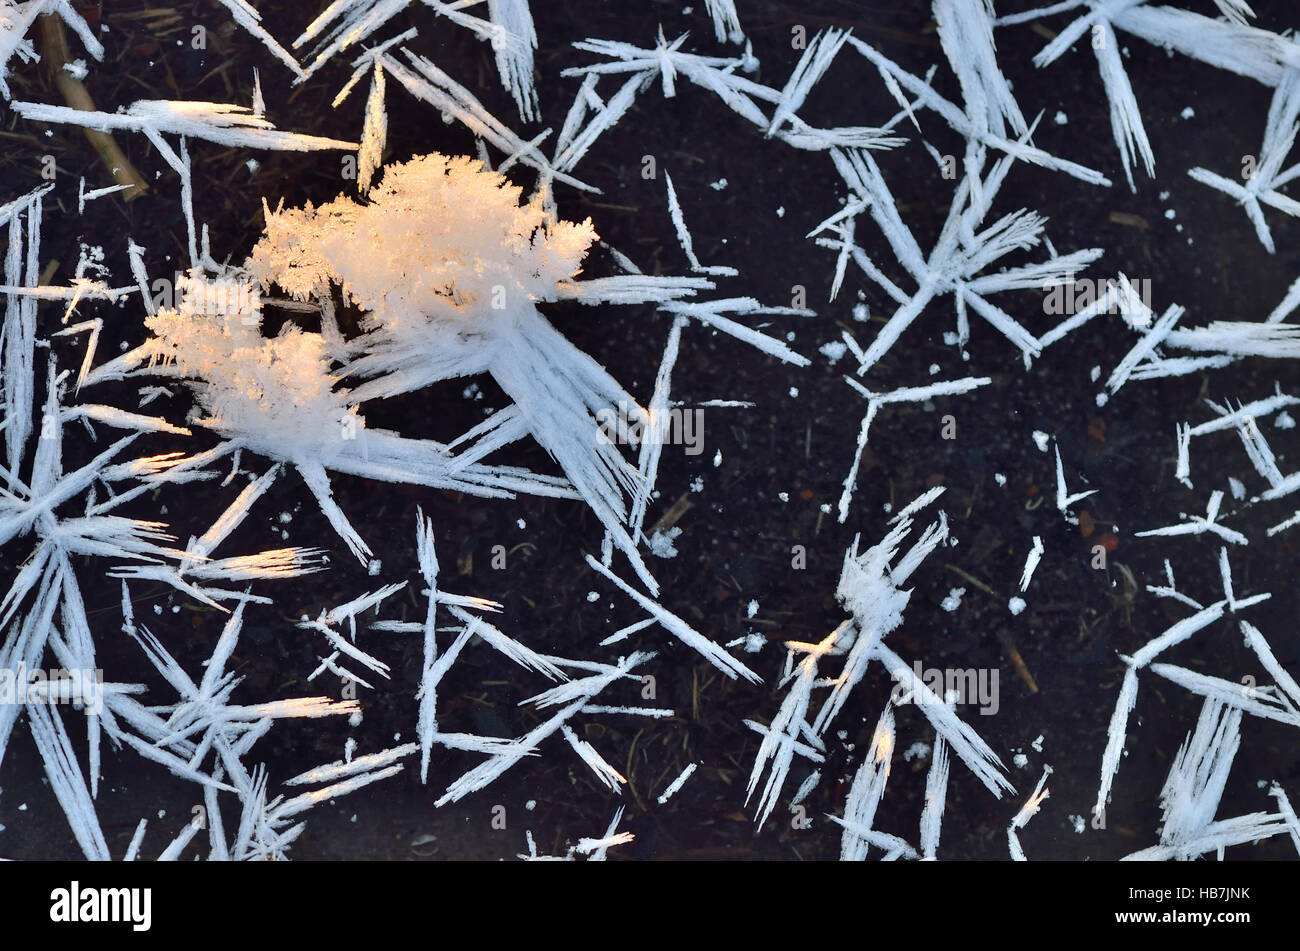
(833, 351)
(1284, 420)
(1102, 399)
(824, 508)
(1061, 118)
(161, 813)
(794, 392)
(1016, 606)
(354, 818)
(1095, 373)
(934, 369)
(1040, 440)
(719, 185)
(754, 643)
(1164, 196)
(1238, 488)
(252, 165)
(783, 496)
(999, 478)
(888, 507)
(1037, 745)
(23, 808)
(1021, 760)
(789, 337)
(917, 750)
(530, 805)
(751, 609)
(780, 212)
(1188, 112)
(697, 484)
(593, 597)
(374, 567)
(661, 543)
(157, 609)
(717, 459)
(521, 523)
(1170, 214)
(77, 68)
(953, 601)
(1078, 823)
(355, 719)
(861, 312)
(286, 518)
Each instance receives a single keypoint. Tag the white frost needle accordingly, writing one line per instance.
(1031, 563)
(656, 713)
(248, 18)
(1192, 791)
(675, 786)
(1115, 738)
(589, 687)
(781, 737)
(133, 849)
(373, 134)
(222, 123)
(360, 764)
(486, 772)
(874, 402)
(965, 249)
(298, 804)
(1198, 525)
(604, 772)
(674, 625)
(965, 742)
(1064, 500)
(1264, 174)
(1256, 642)
(726, 21)
(813, 64)
(961, 122)
(1027, 812)
(867, 789)
(1288, 813)
(966, 33)
(936, 797)
(595, 848)
(684, 235)
(1255, 701)
(66, 779)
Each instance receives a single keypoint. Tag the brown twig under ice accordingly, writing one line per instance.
(55, 54)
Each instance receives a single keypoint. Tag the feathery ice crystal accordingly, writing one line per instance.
(416, 251)
(448, 266)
